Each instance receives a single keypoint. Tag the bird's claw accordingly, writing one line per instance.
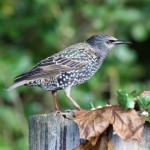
(57, 111)
(68, 111)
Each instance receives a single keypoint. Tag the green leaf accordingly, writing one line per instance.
(144, 102)
(125, 99)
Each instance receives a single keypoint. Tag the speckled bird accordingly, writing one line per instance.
(72, 66)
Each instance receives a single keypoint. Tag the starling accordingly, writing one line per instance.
(72, 66)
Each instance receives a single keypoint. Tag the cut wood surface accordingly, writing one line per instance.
(52, 132)
(56, 132)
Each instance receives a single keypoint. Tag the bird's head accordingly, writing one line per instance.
(104, 43)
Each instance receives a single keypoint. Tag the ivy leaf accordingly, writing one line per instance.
(125, 99)
(144, 103)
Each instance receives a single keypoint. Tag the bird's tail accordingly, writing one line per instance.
(15, 85)
(24, 79)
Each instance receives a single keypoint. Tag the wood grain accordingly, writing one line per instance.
(55, 132)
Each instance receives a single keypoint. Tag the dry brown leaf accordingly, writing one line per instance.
(126, 123)
(101, 144)
(110, 145)
(91, 123)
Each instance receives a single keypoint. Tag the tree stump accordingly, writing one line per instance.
(52, 132)
(56, 132)
(132, 145)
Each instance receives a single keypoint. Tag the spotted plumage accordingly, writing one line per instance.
(71, 66)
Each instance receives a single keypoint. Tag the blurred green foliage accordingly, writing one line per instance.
(31, 30)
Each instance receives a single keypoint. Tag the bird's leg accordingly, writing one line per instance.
(55, 101)
(67, 92)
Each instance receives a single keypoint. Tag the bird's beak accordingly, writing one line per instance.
(122, 42)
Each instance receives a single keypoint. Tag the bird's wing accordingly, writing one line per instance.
(69, 59)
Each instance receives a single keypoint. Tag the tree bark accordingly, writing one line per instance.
(52, 132)
(56, 132)
(132, 145)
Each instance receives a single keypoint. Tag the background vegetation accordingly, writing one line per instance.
(31, 30)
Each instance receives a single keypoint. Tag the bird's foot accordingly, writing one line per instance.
(57, 111)
(68, 111)
(79, 108)
(68, 114)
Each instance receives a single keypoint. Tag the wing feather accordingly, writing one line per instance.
(69, 59)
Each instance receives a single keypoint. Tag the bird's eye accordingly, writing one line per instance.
(110, 41)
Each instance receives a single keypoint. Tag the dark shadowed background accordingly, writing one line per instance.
(31, 30)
